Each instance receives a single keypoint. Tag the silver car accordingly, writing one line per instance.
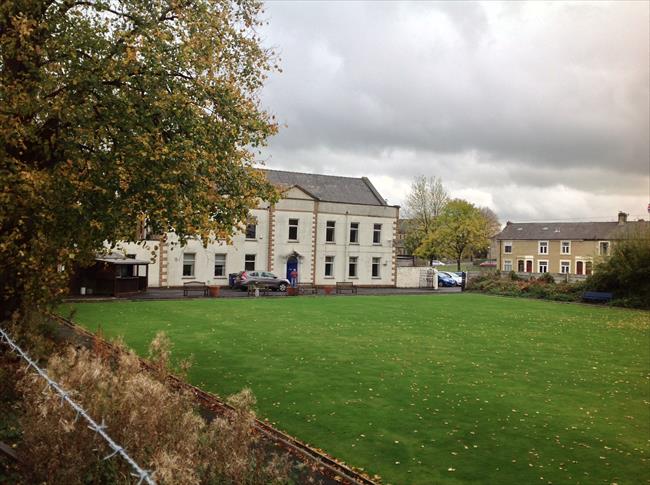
(260, 278)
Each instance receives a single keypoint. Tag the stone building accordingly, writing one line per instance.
(559, 247)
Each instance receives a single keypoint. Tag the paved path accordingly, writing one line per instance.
(177, 294)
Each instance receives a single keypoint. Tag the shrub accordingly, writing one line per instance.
(546, 278)
(626, 273)
(157, 426)
(542, 287)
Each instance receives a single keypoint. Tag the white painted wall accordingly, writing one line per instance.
(312, 218)
(409, 276)
(145, 251)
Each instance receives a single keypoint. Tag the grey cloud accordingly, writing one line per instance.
(529, 94)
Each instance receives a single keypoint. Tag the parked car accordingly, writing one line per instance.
(445, 281)
(437, 263)
(261, 278)
(454, 276)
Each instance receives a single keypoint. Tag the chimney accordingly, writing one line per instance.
(622, 218)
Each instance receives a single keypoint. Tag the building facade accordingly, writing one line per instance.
(327, 228)
(559, 247)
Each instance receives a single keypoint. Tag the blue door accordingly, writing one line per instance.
(292, 265)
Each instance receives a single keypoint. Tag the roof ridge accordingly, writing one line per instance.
(569, 222)
(374, 191)
(311, 173)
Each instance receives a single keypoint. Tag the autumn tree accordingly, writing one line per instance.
(424, 203)
(115, 113)
(493, 227)
(491, 220)
(459, 230)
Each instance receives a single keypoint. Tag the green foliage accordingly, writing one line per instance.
(514, 276)
(626, 273)
(465, 381)
(414, 237)
(460, 230)
(120, 114)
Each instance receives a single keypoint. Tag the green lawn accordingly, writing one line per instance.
(425, 389)
(454, 267)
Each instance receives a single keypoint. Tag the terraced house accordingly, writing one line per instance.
(327, 228)
(559, 247)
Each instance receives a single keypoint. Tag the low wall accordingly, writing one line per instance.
(416, 277)
(558, 277)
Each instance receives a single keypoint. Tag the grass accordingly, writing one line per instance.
(464, 266)
(425, 389)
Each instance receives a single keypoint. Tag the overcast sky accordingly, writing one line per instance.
(540, 111)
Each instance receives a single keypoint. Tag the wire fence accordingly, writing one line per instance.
(140, 473)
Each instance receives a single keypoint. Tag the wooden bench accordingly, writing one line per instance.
(342, 286)
(263, 289)
(195, 286)
(597, 296)
(307, 288)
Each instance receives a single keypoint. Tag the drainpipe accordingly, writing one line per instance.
(346, 235)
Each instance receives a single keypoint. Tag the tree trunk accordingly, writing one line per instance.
(458, 261)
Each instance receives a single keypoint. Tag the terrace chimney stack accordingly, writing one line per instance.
(622, 218)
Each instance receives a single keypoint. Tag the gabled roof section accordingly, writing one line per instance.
(328, 188)
(286, 189)
(567, 230)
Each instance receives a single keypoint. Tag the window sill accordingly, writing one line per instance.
(353, 277)
(376, 277)
(353, 244)
(330, 242)
(251, 239)
(377, 244)
(292, 241)
(329, 277)
(188, 277)
(220, 277)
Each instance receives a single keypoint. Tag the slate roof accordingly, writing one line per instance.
(567, 230)
(329, 188)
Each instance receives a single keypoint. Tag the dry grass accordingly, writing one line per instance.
(158, 427)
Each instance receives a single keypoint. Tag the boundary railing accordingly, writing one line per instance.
(141, 473)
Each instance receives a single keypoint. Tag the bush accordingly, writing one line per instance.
(158, 427)
(546, 278)
(626, 273)
(542, 287)
(514, 276)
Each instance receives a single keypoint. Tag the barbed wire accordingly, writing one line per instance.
(141, 473)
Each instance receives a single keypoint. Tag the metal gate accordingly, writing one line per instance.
(428, 278)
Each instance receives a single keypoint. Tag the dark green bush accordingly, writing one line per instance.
(626, 273)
